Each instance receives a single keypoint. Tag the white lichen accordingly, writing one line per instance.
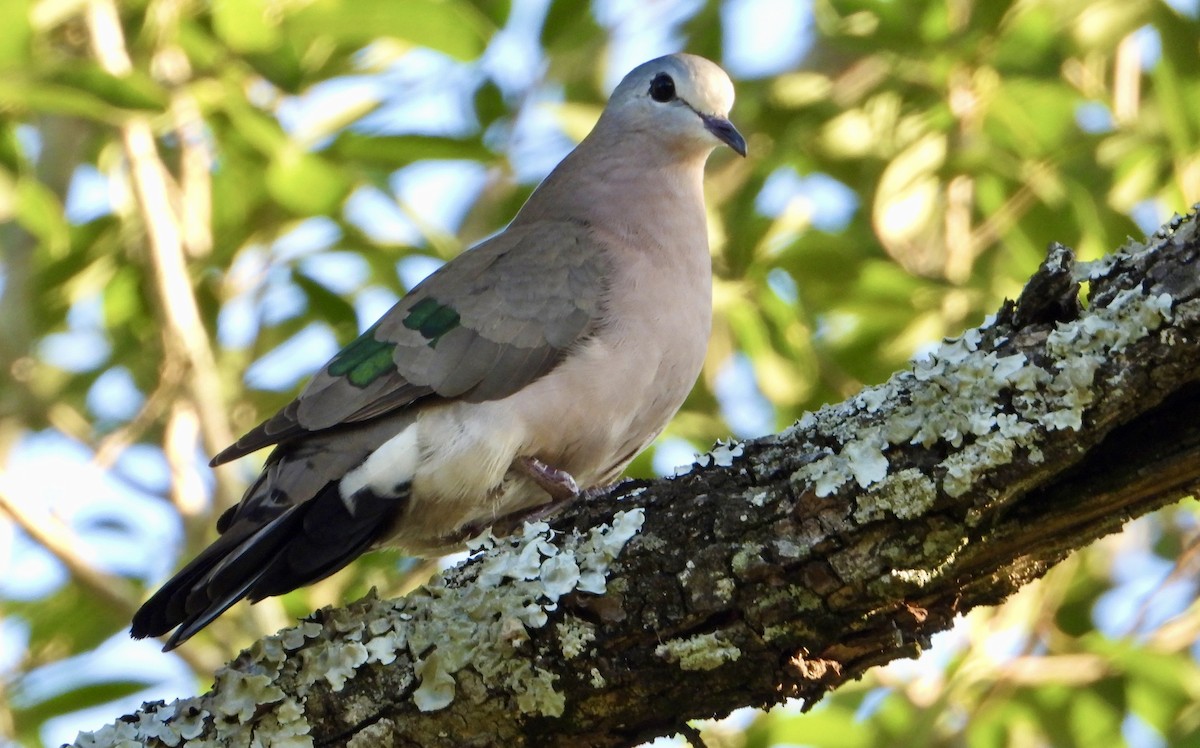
(335, 661)
(539, 696)
(559, 575)
(437, 685)
(116, 735)
(242, 692)
(723, 590)
(947, 545)
(746, 557)
(476, 619)
(277, 720)
(285, 727)
(473, 616)
(700, 652)
(722, 455)
(293, 638)
(909, 493)
(865, 459)
(984, 405)
(575, 635)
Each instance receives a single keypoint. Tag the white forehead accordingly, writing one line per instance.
(699, 82)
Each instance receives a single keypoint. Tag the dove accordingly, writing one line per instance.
(530, 367)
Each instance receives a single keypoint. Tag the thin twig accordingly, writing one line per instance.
(183, 332)
(60, 540)
(55, 536)
(692, 736)
(110, 448)
(1184, 564)
(179, 446)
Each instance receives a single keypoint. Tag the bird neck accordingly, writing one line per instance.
(602, 183)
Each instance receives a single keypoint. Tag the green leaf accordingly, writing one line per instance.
(1096, 712)
(496, 11)
(326, 304)
(397, 151)
(242, 174)
(489, 103)
(833, 727)
(29, 719)
(283, 66)
(305, 183)
(136, 90)
(40, 212)
(25, 94)
(566, 29)
(56, 625)
(444, 25)
(18, 32)
(12, 156)
(1173, 75)
(253, 126)
(247, 25)
(1033, 117)
(123, 297)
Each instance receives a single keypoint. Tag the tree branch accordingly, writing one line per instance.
(781, 567)
(56, 537)
(184, 335)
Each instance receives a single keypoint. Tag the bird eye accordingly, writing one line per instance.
(662, 88)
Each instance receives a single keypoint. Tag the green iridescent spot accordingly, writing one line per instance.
(364, 360)
(431, 319)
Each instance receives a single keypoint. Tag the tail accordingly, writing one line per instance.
(256, 558)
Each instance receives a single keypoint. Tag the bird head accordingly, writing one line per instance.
(681, 100)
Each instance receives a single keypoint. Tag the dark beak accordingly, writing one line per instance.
(725, 132)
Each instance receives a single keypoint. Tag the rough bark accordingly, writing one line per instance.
(785, 566)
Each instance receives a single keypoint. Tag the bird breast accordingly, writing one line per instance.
(601, 406)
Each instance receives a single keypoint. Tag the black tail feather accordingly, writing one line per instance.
(302, 545)
(333, 537)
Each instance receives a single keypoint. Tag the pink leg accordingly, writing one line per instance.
(558, 483)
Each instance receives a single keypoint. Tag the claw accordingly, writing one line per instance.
(558, 483)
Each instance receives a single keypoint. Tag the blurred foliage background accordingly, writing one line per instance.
(201, 200)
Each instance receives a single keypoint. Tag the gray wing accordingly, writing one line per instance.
(486, 324)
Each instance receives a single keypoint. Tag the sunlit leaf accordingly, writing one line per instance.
(38, 210)
(306, 183)
(447, 26)
(327, 305)
(395, 151)
(136, 90)
(18, 32)
(25, 94)
(247, 25)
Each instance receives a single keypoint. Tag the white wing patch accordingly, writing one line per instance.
(388, 468)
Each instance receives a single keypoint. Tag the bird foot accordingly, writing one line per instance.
(558, 483)
(508, 523)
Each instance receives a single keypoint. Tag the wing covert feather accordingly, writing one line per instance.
(483, 326)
